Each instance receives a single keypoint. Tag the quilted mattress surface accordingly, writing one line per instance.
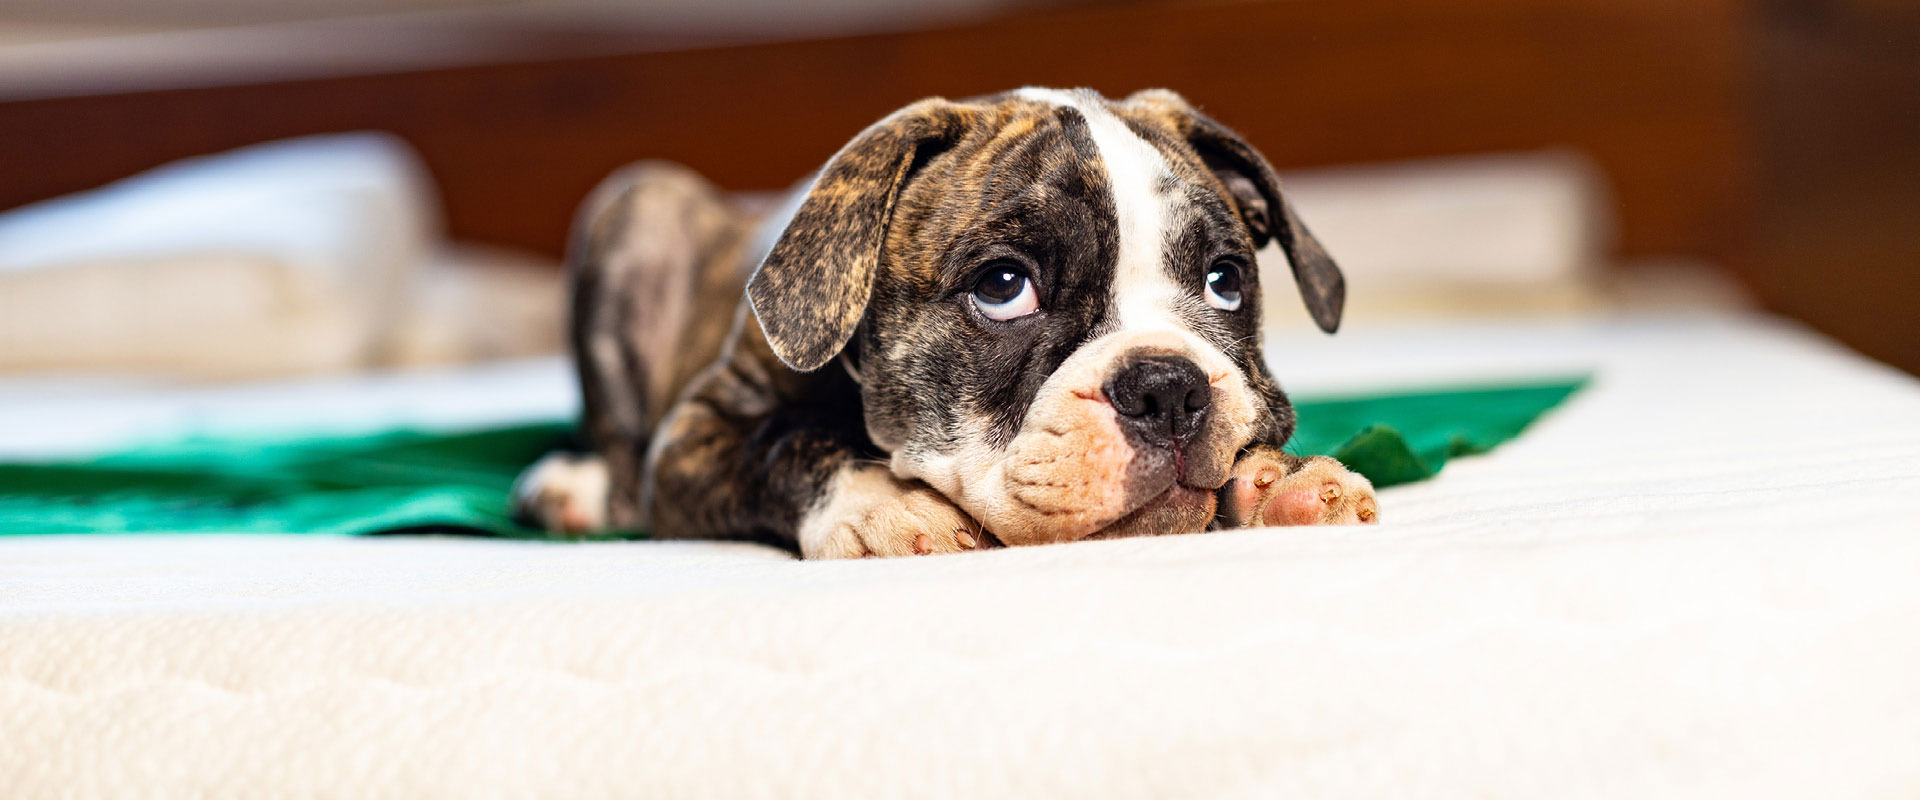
(1698, 578)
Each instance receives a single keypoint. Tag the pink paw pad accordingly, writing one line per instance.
(1318, 491)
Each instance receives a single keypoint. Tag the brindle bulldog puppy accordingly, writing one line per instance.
(1026, 318)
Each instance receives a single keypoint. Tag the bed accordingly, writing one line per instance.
(1695, 578)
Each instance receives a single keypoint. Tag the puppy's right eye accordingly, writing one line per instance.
(1005, 292)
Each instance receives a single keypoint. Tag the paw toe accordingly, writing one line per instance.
(922, 524)
(1318, 491)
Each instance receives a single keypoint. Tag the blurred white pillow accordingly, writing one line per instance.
(281, 258)
(1472, 235)
(472, 303)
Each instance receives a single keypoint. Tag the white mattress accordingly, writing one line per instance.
(1700, 578)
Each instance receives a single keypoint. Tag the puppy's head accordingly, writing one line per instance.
(1051, 303)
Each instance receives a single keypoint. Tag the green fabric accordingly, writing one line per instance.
(1402, 438)
(401, 481)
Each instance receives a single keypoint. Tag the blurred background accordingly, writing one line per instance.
(423, 158)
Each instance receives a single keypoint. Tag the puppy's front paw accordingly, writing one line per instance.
(564, 494)
(869, 512)
(1271, 487)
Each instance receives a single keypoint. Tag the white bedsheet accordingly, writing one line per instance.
(1700, 578)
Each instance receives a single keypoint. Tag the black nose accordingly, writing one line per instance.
(1161, 399)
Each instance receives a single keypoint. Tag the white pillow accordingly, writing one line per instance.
(285, 257)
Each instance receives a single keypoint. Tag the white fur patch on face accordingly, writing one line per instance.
(1144, 295)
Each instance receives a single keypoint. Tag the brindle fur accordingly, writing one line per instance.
(874, 269)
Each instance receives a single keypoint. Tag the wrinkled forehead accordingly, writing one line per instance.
(1132, 145)
(1019, 157)
(1039, 134)
(1043, 161)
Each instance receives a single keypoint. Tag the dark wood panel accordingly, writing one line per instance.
(1836, 238)
(1650, 89)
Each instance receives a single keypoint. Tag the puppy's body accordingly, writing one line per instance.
(1046, 316)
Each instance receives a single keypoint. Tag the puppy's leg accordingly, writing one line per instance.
(1272, 487)
(755, 451)
(564, 494)
(656, 275)
(804, 488)
(866, 511)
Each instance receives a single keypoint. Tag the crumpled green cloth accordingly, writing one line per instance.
(412, 481)
(1402, 438)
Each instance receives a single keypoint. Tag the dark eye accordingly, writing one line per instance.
(1005, 292)
(1223, 286)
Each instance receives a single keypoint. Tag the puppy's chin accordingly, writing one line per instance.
(1180, 509)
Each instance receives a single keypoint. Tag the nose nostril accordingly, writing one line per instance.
(1161, 399)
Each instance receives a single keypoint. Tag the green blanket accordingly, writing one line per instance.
(410, 481)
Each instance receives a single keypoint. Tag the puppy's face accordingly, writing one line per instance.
(1058, 322)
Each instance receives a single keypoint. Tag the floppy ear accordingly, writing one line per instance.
(1251, 181)
(812, 289)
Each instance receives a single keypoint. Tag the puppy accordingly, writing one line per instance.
(1026, 318)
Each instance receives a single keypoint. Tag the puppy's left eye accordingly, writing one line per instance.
(1005, 292)
(1223, 286)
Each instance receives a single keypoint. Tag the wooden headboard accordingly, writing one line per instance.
(1649, 89)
